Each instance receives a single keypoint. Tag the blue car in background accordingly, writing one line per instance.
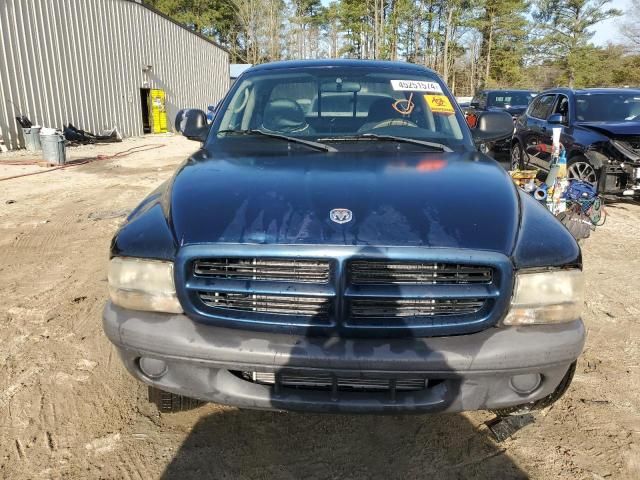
(600, 132)
(513, 102)
(340, 244)
(211, 112)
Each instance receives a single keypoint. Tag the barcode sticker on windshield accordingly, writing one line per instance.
(416, 86)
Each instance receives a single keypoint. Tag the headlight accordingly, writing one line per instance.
(546, 297)
(141, 284)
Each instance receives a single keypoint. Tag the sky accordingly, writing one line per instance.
(608, 31)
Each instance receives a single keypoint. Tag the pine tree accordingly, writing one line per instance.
(563, 27)
(503, 27)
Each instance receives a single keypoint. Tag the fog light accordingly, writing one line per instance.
(525, 384)
(152, 367)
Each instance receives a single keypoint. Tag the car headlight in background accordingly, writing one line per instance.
(546, 297)
(141, 284)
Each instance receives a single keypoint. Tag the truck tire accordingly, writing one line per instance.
(168, 402)
(543, 402)
(517, 156)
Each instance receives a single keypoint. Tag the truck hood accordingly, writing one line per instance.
(453, 200)
(613, 129)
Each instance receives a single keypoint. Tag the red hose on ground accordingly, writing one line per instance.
(81, 161)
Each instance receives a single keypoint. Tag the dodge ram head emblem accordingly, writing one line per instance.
(340, 215)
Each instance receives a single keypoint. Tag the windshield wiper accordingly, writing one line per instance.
(301, 141)
(392, 138)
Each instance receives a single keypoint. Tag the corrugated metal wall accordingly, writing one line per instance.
(81, 61)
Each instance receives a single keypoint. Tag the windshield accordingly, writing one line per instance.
(608, 107)
(510, 99)
(341, 105)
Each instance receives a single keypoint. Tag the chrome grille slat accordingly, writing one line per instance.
(278, 270)
(271, 304)
(362, 272)
(398, 308)
(325, 381)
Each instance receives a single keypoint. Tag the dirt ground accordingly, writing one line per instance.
(68, 409)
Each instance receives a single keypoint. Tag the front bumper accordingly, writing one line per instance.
(621, 179)
(469, 372)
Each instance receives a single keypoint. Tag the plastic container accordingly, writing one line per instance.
(32, 138)
(555, 141)
(54, 150)
(562, 165)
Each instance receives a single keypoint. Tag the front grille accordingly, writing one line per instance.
(344, 290)
(410, 308)
(325, 381)
(385, 272)
(276, 270)
(270, 304)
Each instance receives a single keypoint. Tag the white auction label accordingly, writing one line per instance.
(416, 86)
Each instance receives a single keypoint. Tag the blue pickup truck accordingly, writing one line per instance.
(340, 244)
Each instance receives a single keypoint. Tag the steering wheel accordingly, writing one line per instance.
(394, 122)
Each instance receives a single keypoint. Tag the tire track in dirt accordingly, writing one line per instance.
(19, 383)
(54, 263)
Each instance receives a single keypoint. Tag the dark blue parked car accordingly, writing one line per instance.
(514, 102)
(339, 244)
(600, 131)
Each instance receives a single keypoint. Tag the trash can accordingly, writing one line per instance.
(32, 138)
(54, 150)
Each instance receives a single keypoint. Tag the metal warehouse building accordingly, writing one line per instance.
(99, 64)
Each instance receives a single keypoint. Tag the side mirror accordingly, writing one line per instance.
(492, 126)
(474, 104)
(556, 119)
(192, 123)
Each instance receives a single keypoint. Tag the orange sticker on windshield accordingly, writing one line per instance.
(439, 103)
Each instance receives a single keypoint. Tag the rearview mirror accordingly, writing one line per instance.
(556, 119)
(192, 123)
(340, 86)
(492, 126)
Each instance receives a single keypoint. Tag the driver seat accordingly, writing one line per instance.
(381, 110)
(284, 116)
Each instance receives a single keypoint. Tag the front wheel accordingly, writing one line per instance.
(579, 168)
(517, 157)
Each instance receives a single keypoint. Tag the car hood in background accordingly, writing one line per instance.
(513, 111)
(397, 199)
(613, 129)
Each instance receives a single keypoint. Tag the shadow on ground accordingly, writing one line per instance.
(238, 444)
